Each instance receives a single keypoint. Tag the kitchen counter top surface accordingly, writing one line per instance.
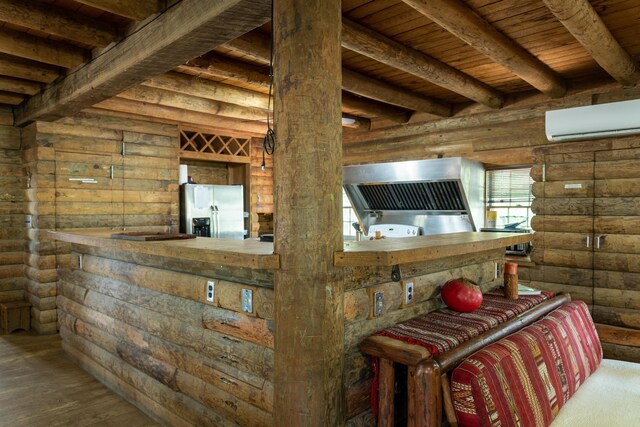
(238, 253)
(389, 252)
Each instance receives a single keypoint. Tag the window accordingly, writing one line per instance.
(509, 195)
(348, 216)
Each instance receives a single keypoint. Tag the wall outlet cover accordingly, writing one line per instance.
(247, 301)
(408, 288)
(210, 291)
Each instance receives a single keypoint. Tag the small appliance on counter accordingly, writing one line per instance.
(212, 211)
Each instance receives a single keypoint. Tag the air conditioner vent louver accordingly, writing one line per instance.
(414, 196)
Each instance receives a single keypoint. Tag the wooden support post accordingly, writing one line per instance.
(385, 393)
(424, 397)
(309, 338)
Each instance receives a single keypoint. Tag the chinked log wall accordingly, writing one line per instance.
(140, 324)
(141, 193)
(428, 277)
(12, 243)
(587, 223)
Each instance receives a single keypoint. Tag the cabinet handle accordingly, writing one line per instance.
(111, 172)
(599, 239)
(587, 241)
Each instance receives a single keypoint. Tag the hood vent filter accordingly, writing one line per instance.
(432, 196)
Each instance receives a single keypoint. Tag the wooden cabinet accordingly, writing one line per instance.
(587, 239)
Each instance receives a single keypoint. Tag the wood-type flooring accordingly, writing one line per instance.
(41, 387)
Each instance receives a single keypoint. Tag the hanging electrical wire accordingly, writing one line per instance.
(269, 142)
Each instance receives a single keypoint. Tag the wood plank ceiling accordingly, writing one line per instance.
(399, 57)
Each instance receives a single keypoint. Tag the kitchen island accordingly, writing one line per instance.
(139, 315)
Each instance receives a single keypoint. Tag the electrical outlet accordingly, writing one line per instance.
(409, 294)
(378, 300)
(210, 291)
(247, 301)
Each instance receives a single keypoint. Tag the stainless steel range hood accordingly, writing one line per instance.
(438, 195)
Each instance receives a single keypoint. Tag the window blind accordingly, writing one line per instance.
(509, 188)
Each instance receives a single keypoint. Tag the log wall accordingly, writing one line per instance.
(134, 191)
(141, 324)
(360, 282)
(261, 190)
(12, 219)
(587, 239)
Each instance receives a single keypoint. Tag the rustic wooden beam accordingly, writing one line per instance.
(256, 45)
(367, 42)
(355, 122)
(180, 115)
(10, 98)
(38, 49)
(133, 9)
(463, 22)
(584, 23)
(204, 88)
(229, 68)
(309, 339)
(11, 84)
(374, 89)
(189, 29)
(28, 70)
(168, 98)
(376, 109)
(56, 21)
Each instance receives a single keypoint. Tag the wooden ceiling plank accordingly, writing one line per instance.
(230, 69)
(376, 109)
(137, 10)
(253, 44)
(184, 31)
(376, 46)
(10, 98)
(584, 23)
(37, 49)
(59, 22)
(22, 69)
(26, 87)
(457, 18)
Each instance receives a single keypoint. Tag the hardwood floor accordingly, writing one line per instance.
(40, 386)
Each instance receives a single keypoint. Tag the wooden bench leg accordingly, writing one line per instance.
(424, 395)
(447, 402)
(386, 376)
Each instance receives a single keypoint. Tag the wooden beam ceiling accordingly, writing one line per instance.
(37, 49)
(133, 9)
(24, 69)
(189, 29)
(55, 21)
(584, 23)
(366, 42)
(256, 46)
(462, 21)
(228, 68)
(11, 84)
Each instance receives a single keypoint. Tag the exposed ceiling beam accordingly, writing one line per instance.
(463, 22)
(380, 91)
(27, 87)
(584, 23)
(256, 45)
(38, 49)
(187, 30)
(10, 98)
(355, 122)
(192, 103)
(366, 42)
(24, 69)
(376, 109)
(181, 115)
(133, 9)
(209, 89)
(55, 21)
(229, 68)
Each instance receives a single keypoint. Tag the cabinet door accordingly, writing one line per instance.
(617, 238)
(84, 191)
(563, 224)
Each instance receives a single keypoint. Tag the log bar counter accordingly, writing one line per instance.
(139, 315)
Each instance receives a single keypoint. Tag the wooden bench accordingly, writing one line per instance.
(428, 389)
(14, 315)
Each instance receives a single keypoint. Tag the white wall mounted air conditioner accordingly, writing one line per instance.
(593, 121)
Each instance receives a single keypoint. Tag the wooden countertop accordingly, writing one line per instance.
(389, 252)
(237, 253)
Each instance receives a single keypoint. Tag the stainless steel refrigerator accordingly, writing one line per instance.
(212, 210)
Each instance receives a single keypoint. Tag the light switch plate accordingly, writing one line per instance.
(378, 299)
(247, 301)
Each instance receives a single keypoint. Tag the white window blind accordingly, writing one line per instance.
(509, 193)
